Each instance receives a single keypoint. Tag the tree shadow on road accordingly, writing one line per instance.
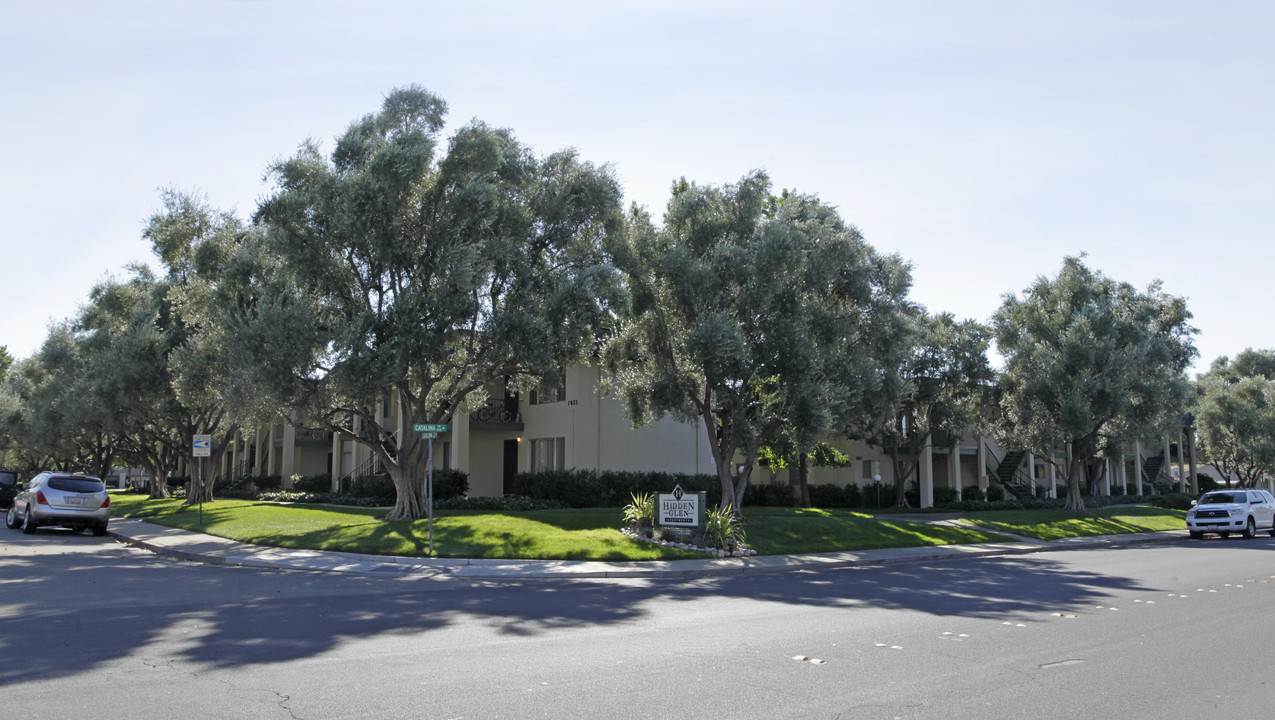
(151, 610)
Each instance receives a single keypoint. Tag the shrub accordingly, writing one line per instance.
(945, 497)
(995, 493)
(265, 482)
(973, 493)
(508, 503)
(640, 512)
(722, 530)
(450, 483)
(830, 496)
(380, 486)
(877, 495)
(1207, 483)
(1174, 501)
(611, 488)
(312, 483)
(771, 495)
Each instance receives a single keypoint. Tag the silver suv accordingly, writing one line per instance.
(1227, 511)
(78, 502)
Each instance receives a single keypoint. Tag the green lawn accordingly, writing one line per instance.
(547, 534)
(791, 531)
(1057, 524)
(593, 534)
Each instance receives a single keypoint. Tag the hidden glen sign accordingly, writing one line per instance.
(680, 508)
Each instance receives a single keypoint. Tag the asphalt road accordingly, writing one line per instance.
(90, 628)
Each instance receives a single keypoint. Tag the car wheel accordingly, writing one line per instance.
(1196, 534)
(28, 522)
(100, 529)
(1250, 529)
(11, 518)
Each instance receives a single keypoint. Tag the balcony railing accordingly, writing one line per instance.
(498, 413)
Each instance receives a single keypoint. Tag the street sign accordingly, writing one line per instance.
(203, 446)
(430, 427)
(429, 435)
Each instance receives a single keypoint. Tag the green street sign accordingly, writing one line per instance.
(430, 428)
(429, 435)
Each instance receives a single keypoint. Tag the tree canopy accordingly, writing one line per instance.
(395, 268)
(766, 319)
(1090, 362)
(1235, 415)
(937, 392)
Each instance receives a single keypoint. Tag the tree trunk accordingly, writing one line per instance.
(1075, 498)
(803, 480)
(901, 476)
(159, 486)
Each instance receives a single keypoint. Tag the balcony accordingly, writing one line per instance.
(497, 414)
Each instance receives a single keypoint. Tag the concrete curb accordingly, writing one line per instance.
(211, 550)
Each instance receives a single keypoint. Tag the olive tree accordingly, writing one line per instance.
(767, 319)
(937, 393)
(392, 267)
(1235, 415)
(1089, 361)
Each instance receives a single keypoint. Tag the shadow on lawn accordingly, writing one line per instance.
(125, 604)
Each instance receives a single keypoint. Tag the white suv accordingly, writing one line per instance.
(1227, 511)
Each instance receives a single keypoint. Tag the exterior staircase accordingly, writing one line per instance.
(1151, 474)
(371, 466)
(1009, 472)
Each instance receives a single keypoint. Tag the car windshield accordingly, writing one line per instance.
(67, 483)
(1219, 498)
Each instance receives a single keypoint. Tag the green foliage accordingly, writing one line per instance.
(586, 488)
(397, 264)
(5, 361)
(765, 319)
(373, 486)
(312, 483)
(1176, 501)
(1088, 359)
(1235, 415)
(973, 493)
(945, 497)
(507, 503)
(642, 508)
(934, 392)
(722, 529)
(771, 495)
(448, 483)
(995, 493)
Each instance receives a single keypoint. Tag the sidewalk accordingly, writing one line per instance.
(213, 550)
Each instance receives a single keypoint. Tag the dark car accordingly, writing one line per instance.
(8, 487)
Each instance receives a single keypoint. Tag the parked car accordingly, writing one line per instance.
(8, 487)
(1227, 511)
(78, 502)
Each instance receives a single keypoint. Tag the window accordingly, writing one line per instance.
(550, 392)
(548, 454)
(869, 469)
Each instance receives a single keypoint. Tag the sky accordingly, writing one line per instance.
(983, 141)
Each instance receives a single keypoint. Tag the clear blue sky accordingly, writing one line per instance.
(983, 141)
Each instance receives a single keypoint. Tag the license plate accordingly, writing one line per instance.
(75, 501)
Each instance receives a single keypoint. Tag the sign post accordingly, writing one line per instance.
(429, 431)
(202, 448)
